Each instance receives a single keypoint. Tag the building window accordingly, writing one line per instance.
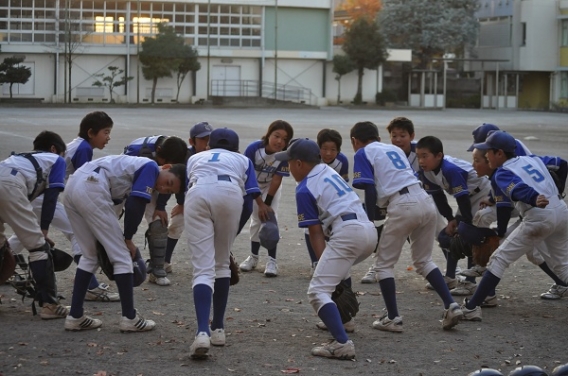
(563, 85)
(564, 33)
(523, 34)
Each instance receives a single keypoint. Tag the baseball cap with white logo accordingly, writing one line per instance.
(200, 130)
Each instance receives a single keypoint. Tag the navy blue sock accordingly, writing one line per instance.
(220, 297)
(331, 318)
(469, 266)
(93, 283)
(436, 279)
(311, 252)
(488, 283)
(551, 274)
(170, 249)
(125, 285)
(272, 253)
(445, 253)
(451, 266)
(254, 248)
(202, 296)
(388, 289)
(80, 287)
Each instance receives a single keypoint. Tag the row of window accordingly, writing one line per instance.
(225, 25)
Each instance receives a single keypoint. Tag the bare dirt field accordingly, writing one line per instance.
(269, 322)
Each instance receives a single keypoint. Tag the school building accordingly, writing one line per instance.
(271, 48)
(524, 48)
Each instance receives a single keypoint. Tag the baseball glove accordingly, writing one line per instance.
(346, 301)
(234, 270)
(459, 248)
(104, 261)
(482, 252)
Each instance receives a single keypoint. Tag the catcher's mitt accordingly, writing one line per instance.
(104, 262)
(482, 252)
(346, 301)
(234, 270)
(459, 248)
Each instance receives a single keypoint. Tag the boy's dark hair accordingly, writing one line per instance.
(276, 125)
(173, 149)
(95, 121)
(179, 170)
(433, 144)
(402, 123)
(46, 139)
(329, 135)
(365, 131)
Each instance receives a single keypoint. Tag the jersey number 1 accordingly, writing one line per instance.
(339, 184)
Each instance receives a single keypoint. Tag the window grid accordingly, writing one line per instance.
(105, 22)
(564, 33)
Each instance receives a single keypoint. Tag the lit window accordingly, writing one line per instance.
(103, 24)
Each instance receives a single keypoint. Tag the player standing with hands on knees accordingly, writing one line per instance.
(219, 178)
(527, 182)
(384, 172)
(269, 173)
(327, 206)
(93, 191)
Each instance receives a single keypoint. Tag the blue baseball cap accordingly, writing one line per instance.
(302, 149)
(269, 235)
(498, 140)
(200, 130)
(480, 134)
(224, 138)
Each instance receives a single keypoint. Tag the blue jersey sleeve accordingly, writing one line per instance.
(145, 180)
(251, 149)
(307, 207)
(251, 185)
(457, 179)
(344, 171)
(363, 172)
(83, 155)
(56, 176)
(514, 188)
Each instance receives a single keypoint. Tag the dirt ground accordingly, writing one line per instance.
(269, 322)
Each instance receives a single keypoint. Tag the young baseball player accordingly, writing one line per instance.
(269, 173)
(498, 207)
(401, 132)
(23, 177)
(163, 150)
(93, 191)
(327, 206)
(384, 172)
(441, 173)
(218, 180)
(94, 133)
(329, 142)
(198, 140)
(528, 184)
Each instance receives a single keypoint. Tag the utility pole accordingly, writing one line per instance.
(138, 55)
(66, 51)
(208, 45)
(276, 50)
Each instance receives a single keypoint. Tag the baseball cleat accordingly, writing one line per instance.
(160, 281)
(450, 282)
(54, 311)
(370, 276)
(200, 346)
(101, 293)
(249, 264)
(336, 350)
(387, 325)
(218, 337)
(555, 292)
(137, 324)
(464, 288)
(82, 323)
(475, 271)
(489, 302)
(470, 314)
(452, 316)
(271, 269)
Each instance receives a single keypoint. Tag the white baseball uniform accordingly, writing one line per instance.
(78, 152)
(93, 190)
(265, 166)
(323, 198)
(411, 211)
(522, 179)
(218, 181)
